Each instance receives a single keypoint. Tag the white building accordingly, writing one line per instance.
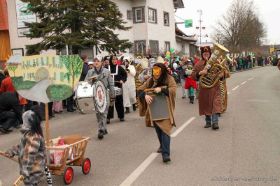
(152, 25)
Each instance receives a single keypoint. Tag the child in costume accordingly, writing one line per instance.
(190, 83)
(31, 150)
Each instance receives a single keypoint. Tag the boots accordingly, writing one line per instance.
(208, 125)
(215, 126)
(191, 99)
(127, 110)
(134, 107)
(100, 134)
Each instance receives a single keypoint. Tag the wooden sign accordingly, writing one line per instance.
(45, 78)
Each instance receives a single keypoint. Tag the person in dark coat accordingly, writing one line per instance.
(10, 111)
(119, 77)
(85, 68)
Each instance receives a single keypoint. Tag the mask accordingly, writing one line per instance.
(156, 72)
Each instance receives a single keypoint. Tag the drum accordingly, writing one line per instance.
(118, 91)
(100, 97)
(85, 105)
(84, 97)
(84, 90)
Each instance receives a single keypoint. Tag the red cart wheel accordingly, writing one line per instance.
(86, 165)
(68, 175)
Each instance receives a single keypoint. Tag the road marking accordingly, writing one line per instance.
(250, 79)
(243, 82)
(138, 171)
(228, 93)
(174, 134)
(141, 168)
(235, 88)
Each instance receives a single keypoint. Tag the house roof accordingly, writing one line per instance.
(180, 34)
(178, 4)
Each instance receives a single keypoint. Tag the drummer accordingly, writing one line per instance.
(99, 73)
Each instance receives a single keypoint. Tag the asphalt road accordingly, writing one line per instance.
(245, 151)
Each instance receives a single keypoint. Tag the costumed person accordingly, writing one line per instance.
(119, 77)
(209, 98)
(161, 83)
(129, 88)
(85, 67)
(181, 71)
(190, 83)
(278, 64)
(147, 65)
(10, 111)
(99, 73)
(31, 150)
(106, 62)
(140, 65)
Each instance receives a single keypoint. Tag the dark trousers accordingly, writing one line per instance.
(8, 119)
(164, 141)
(119, 108)
(70, 102)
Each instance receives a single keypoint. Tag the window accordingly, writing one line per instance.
(140, 47)
(152, 14)
(154, 48)
(166, 18)
(129, 15)
(167, 46)
(138, 15)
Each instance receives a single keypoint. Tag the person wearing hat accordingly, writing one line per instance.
(90, 65)
(209, 98)
(98, 72)
(129, 87)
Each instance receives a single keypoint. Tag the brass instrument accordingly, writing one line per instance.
(210, 79)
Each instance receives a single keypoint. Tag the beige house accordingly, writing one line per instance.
(152, 25)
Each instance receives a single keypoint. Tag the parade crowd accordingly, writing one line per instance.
(129, 84)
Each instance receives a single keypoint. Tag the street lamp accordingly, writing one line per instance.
(200, 15)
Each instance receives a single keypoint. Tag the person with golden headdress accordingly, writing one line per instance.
(209, 98)
(161, 83)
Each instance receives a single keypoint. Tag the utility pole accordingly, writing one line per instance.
(200, 20)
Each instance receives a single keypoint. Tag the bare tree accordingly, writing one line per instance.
(240, 29)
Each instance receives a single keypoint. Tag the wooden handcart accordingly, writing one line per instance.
(70, 154)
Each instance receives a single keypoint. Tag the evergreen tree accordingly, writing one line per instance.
(76, 23)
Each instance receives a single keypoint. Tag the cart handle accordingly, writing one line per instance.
(6, 156)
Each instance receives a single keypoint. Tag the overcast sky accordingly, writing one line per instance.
(212, 10)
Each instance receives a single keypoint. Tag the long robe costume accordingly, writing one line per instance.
(209, 98)
(166, 124)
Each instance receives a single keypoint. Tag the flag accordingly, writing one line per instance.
(188, 23)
